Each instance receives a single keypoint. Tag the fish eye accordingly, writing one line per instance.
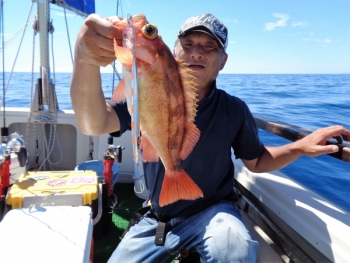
(150, 31)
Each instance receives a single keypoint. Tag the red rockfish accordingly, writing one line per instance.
(167, 105)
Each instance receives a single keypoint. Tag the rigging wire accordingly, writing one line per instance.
(14, 63)
(70, 48)
(17, 33)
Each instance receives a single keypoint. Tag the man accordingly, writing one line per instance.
(211, 225)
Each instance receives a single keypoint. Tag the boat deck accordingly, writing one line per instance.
(267, 248)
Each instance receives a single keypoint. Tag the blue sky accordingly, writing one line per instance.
(265, 36)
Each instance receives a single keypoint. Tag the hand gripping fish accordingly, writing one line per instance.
(166, 101)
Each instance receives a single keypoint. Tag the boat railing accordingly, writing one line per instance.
(294, 133)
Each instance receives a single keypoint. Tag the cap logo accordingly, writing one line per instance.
(219, 30)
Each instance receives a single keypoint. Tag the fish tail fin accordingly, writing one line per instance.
(177, 185)
(119, 93)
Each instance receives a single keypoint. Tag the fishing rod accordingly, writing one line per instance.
(4, 129)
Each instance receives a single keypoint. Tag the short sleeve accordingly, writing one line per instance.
(247, 144)
(124, 117)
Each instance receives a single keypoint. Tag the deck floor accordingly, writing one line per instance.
(265, 254)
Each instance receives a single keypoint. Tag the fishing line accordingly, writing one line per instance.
(115, 71)
(135, 116)
(128, 4)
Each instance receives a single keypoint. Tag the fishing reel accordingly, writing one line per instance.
(113, 152)
(14, 144)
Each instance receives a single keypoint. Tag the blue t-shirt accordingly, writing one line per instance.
(225, 123)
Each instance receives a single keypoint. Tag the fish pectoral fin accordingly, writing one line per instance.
(191, 137)
(149, 154)
(123, 55)
(119, 93)
(177, 185)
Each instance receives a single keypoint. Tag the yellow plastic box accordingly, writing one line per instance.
(53, 188)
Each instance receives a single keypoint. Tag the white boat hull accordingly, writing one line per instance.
(320, 229)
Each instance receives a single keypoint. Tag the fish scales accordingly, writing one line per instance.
(167, 106)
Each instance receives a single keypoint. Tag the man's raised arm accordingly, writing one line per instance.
(93, 49)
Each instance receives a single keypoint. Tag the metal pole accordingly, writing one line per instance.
(43, 22)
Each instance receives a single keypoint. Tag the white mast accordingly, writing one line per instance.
(45, 90)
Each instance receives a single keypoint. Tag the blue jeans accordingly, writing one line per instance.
(216, 233)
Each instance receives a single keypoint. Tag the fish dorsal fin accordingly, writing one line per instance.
(149, 154)
(123, 55)
(191, 133)
(189, 89)
(119, 93)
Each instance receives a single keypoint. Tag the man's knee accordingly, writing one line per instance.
(226, 244)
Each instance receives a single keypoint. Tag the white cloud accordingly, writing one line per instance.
(325, 41)
(279, 23)
(300, 23)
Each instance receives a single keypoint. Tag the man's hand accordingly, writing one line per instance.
(93, 49)
(315, 143)
(94, 45)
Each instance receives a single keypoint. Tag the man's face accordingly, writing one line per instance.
(203, 54)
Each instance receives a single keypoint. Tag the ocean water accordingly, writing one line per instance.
(309, 101)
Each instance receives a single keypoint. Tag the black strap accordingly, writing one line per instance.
(136, 216)
(162, 228)
(160, 234)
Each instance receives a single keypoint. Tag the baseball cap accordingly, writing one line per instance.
(206, 23)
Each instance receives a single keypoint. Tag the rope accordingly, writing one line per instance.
(48, 143)
(55, 105)
(45, 118)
